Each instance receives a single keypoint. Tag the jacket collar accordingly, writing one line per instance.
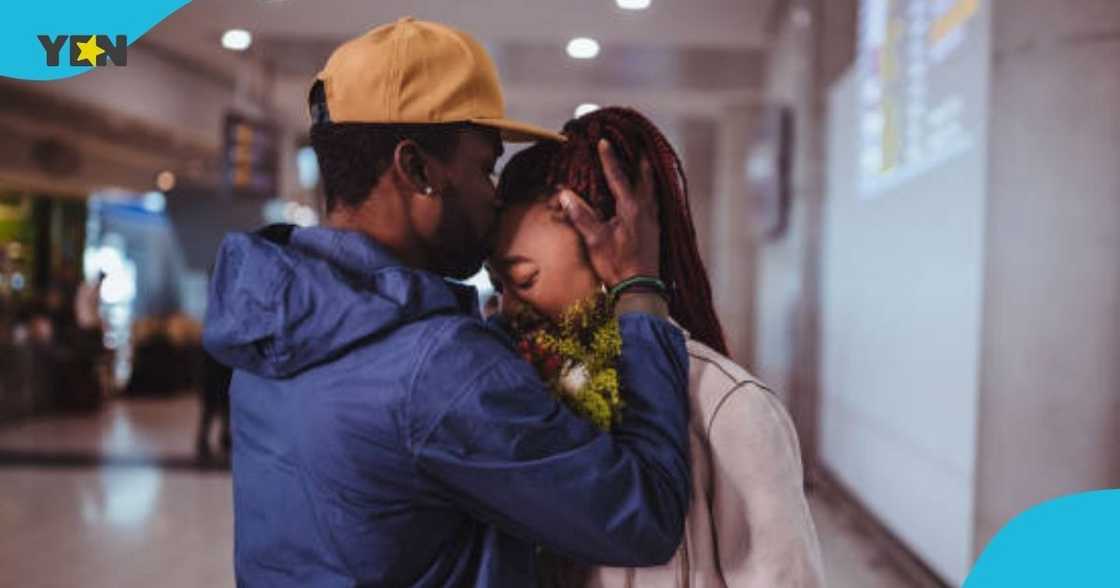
(360, 255)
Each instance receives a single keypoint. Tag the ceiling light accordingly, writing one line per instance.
(165, 181)
(237, 39)
(586, 108)
(583, 48)
(633, 4)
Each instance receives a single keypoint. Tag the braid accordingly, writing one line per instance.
(575, 164)
(690, 301)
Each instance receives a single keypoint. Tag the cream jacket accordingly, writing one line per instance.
(749, 524)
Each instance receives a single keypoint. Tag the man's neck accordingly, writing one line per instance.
(385, 225)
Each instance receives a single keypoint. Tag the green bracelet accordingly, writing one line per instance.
(638, 281)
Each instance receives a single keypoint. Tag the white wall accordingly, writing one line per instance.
(814, 42)
(970, 322)
(781, 262)
(733, 257)
(1050, 408)
(902, 293)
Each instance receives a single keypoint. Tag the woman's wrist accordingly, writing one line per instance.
(640, 293)
(647, 302)
(647, 283)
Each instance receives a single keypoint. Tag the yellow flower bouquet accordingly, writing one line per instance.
(577, 356)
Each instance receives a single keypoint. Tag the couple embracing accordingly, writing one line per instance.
(593, 433)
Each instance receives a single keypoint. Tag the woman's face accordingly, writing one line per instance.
(539, 260)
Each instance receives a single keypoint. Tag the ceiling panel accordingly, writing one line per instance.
(697, 24)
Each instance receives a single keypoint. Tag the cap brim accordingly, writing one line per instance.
(519, 132)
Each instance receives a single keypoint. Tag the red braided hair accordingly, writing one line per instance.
(533, 173)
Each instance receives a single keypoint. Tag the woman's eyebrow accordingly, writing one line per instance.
(511, 260)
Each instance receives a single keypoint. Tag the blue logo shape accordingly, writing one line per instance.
(1069, 541)
(56, 39)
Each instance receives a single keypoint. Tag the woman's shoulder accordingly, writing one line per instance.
(742, 417)
(721, 368)
(719, 386)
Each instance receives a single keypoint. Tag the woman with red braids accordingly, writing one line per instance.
(749, 524)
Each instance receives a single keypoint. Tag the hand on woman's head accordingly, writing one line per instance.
(628, 244)
(657, 192)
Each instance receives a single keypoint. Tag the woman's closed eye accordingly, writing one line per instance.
(520, 272)
(526, 280)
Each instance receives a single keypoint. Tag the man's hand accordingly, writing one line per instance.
(629, 244)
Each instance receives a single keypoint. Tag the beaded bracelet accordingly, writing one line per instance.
(645, 283)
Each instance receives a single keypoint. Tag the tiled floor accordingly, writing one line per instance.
(851, 559)
(114, 500)
(68, 521)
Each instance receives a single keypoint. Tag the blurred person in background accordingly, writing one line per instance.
(156, 366)
(749, 524)
(184, 333)
(87, 304)
(215, 405)
(74, 379)
(383, 434)
(90, 331)
(40, 330)
(58, 311)
(34, 333)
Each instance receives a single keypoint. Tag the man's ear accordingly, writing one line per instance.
(412, 165)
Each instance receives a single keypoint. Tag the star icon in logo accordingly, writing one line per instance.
(89, 51)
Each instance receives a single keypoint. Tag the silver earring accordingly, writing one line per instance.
(428, 191)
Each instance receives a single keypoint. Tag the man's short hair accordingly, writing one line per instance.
(353, 156)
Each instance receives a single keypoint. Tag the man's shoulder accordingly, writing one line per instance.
(447, 344)
(423, 334)
(461, 334)
(461, 357)
(456, 349)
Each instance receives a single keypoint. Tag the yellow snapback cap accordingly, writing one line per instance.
(415, 71)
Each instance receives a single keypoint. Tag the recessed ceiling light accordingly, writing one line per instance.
(633, 4)
(586, 108)
(583, 48)
(165, 180)
(237, 39)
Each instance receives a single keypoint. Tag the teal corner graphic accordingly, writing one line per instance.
(56, 39)
(1069, 541)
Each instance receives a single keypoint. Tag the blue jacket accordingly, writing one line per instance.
(385, 436)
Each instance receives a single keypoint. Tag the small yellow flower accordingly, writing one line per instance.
(588, 339)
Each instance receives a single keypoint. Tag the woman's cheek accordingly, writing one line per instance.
(553, 301)
(575, 288)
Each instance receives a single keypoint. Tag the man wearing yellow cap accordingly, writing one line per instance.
(383, 434)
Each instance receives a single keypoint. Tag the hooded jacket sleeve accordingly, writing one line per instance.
(488, 431)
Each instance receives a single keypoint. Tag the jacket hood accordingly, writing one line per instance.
(284, 298)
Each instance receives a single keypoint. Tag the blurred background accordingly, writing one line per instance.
(910, 210)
